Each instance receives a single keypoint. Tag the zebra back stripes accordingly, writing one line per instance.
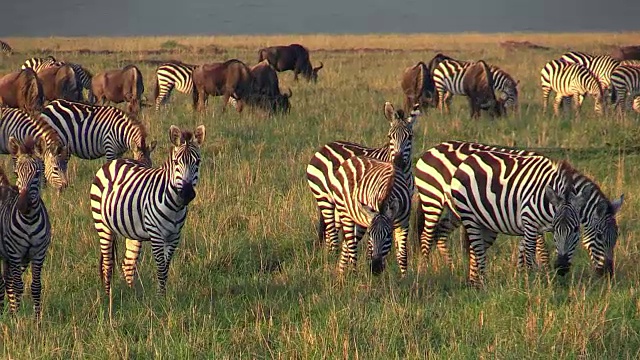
(570, 80)
(320, 170)
(372, 194)
(172, 75)
(600, 65)
(143, 203)
(625, 86)
(91, 132)
(494, 192)
(24, 224)
(5, 48)
(38, 64)
(17, 123)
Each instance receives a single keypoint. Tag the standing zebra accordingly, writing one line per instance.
(169, 76)
(625, 86)
(600, 65)
(83, 76)
(17, 123)
(24, 225)
(320, 170)
(494, 192)
(569, 79)
(91, 132)
(145, 204)
(374, 195)
(5, 48)
(448, 78)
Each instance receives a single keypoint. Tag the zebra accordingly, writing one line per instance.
(570, 79)
(625, 86)
(38, 64)
(375, 195)
(448, 79)
(600, 65)
(495, 192)
(142, 203)
(172, 75)
(24, 224)
(5, 48)
(435, 170)
(17, 123)
(91, 132)
(320, 170)
(83, 75)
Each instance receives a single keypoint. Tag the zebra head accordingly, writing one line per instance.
(56, 158)
(566, 220)
(28, 168)
(380, 232)
(142, 152)
(185, 160)
(401, 130)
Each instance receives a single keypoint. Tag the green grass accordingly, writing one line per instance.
(247, 281)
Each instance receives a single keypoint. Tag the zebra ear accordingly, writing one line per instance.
(40, 147)
(153, 145)
(389, 111)
(198, 135)
(175, 135)
(551, 196)
(392, 208)
(617, 204)
(371, 213)
(14, 146)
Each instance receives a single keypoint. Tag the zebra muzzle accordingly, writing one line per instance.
(377, 265)
(562, 265)
(188, 193)
(23, 201)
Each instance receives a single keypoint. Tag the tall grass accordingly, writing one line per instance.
(248, 280)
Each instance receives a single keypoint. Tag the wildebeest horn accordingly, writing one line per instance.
(290, 93)
(319, 67)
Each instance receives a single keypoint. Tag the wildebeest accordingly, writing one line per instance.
(59, 82)
(626, 53)
(290, 57)
(478, 86)
(266, 89)
(231, 78)
(417, 86)
(119, 85)
(22, 89)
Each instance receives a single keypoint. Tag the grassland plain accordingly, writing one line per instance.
(248, 280)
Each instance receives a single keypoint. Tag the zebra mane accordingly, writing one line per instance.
(139, 125)
(28, 145)
(187, 136)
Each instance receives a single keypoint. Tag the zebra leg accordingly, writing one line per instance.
(577, 103)
(542, 254)
(328, 231)
(400, 235)
(545, 99)
(432, 216)
(107, 256)
(527, 247)
(349, 255)
(36, 285)
(16, 286)
(477, 253)
(556, 104)
(447, 101)
(163, 252)
(3, 284)
(130, 260)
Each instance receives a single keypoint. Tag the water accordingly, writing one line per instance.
(210, 17)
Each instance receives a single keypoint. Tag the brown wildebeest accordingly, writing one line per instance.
(418, 87)
(231, 78)
(291, 57)
(477, 84)
(22, 89)
(266, 89)
(122, 85)
(626, 53)
(59, 82)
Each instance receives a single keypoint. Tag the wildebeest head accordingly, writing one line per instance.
(282, 103)
(314, 72)
(478, 86)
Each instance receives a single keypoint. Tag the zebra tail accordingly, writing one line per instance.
(614, 95)
(156, 90)
(321, 227)
(418, 222)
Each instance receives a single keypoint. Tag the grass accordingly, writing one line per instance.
(248, 281)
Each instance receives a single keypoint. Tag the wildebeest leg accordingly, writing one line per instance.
(474, 107)
(295, 74)
(225, 100)
(202, 100)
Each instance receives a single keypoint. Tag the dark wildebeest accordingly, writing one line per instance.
(266, 89)
(117, 86)
(626, 53)
(291, 57)
(59, 82)
(22, 89)
(478, 86)
(231, 78)
(418, 87)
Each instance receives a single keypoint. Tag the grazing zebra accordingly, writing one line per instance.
(570, 79)
(495, 192)
(24, 224)
(448, 79)
(374, 195)
(91, 132)
(172, 75)
(625, 86)
(38, 64)
(600, 65)
(142, 203)
(17, 123)
(5, 48)
(320, 170)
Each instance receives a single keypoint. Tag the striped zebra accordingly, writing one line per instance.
(448, 79)
(494, 192)
(83, 75)
(374, 195)
(570, 80)
(91, 132)
(5, 48)
(625, 87)
(24, 225)
(17, 123)
(320, 170)
(435, 170)
(142, 203)
(169, 76)
(38, 64)
(600, 65)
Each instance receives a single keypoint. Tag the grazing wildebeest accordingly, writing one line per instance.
(626, 53)
(290, 57)
(22, 89)
(417, 86)
(60, 82)
(117, 86)
(266, 89)
(231, 78)
(478, 86)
